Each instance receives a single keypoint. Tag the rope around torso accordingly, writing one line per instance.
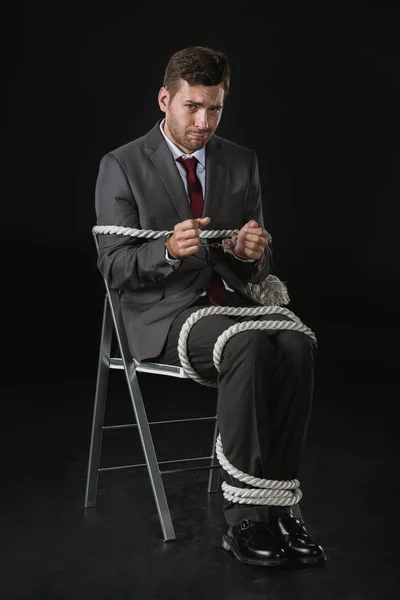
(262, 491)
(150, 234)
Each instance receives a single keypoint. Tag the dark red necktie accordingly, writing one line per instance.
(216, 289)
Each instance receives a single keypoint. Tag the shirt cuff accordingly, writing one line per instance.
(174, 262)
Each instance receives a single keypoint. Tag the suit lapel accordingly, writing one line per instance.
(216, 177)
(164, 163)
(215, 201)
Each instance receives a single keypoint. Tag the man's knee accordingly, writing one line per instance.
(296, 345)
(252, 342)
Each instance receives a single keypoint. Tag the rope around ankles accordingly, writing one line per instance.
(272, 291)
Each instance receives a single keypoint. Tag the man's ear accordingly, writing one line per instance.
(163, 99)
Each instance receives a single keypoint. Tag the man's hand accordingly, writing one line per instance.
(186, 237)
(251, 241)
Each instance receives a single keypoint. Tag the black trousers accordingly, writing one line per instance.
(265, 390)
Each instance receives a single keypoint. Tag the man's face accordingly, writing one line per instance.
(192, 115)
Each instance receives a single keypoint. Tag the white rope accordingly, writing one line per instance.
(153, 235)
(263, 491)
(257, 311)
(273, 492)
(271, 291)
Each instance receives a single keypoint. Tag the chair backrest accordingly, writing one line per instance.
(143, 367)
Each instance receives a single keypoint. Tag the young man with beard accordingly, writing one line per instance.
(181, 177)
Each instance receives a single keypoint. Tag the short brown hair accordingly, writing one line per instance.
(198, 65)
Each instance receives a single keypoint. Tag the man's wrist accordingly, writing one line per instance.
(234, 241)
(228, 246)
(169, 250)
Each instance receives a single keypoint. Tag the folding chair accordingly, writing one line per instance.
(131, 368)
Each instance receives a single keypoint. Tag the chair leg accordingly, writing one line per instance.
(149, 451)
(214, 475)
(99, 407)
(144, 430)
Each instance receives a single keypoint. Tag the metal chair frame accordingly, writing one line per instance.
(131, 368)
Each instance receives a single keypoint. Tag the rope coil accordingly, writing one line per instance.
(154, 235)
(294, 324)
(271, 293)
(272, 492)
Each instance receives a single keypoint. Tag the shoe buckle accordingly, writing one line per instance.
(244, 525)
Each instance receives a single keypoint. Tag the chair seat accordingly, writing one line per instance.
(151, 367)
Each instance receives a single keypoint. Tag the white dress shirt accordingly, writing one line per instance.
(200, 167)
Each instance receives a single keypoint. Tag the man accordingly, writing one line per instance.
(181, 177)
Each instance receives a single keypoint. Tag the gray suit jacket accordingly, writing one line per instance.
(139, 186)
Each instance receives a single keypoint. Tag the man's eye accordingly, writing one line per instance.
(190, 106)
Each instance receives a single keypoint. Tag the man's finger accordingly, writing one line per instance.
(241, 235)
(253, 245)
(189, 236)
(255, 231)
(256, 238)
(189, 224)
(203, 221)
(191, 249)
(189, 239)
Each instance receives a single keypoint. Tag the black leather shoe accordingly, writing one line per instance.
(254, 544)
(296, 541)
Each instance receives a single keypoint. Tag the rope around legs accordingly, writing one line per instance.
(272, 492)
(271, 293)
(294, 324)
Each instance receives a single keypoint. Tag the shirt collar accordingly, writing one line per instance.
(199, 154)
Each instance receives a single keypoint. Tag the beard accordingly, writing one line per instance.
(181, 136)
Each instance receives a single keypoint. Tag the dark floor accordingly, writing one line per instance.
(52, 549)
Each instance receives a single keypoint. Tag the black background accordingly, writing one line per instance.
(314, 91)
